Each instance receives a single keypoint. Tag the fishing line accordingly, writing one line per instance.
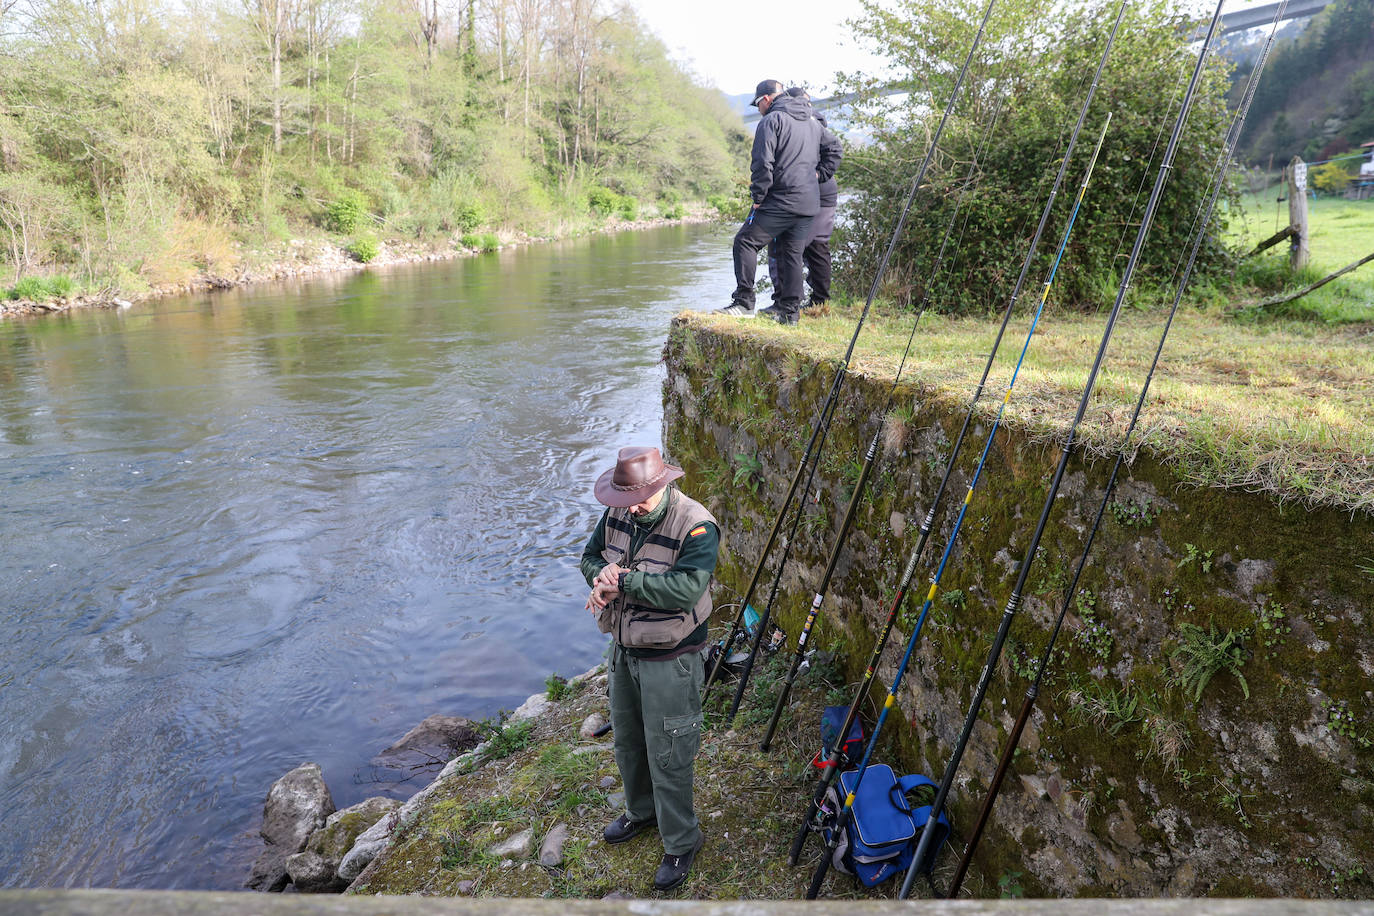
(1013, 603)
(936, 272)
(812, 820)
(843, 368)
(1203, 217)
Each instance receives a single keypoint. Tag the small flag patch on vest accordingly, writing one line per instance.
(699, 529)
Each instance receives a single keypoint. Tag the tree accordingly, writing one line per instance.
(1035, 62)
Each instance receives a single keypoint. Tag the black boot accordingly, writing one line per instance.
(622, 829)
(675, 869)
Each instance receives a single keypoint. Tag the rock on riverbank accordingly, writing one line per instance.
(308, 842)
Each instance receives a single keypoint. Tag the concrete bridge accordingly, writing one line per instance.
(209, 903)
(1238, 20)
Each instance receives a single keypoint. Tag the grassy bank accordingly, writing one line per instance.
(1284, 407)
(314, 251)
(1340, 233)
(544, 774)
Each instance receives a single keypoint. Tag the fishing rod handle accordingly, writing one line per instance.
(724, 651)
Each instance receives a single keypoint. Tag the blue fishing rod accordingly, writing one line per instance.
(1014, 602)
(1033, 692)
(845, 813)
(834, 397)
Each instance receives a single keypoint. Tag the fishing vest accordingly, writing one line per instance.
(641, 626)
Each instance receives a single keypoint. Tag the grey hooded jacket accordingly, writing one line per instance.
(793, 154)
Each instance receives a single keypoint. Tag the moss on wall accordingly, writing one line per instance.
(1134, 776)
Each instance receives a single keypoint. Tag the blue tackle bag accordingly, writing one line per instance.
(880, 839)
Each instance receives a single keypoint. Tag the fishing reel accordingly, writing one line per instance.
(737, 653)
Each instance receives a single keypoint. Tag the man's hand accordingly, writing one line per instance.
(609, 575)
(602, 594)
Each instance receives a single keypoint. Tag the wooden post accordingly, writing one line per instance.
(1298, 252)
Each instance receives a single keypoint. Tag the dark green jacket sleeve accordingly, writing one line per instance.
(686, 582)
(592, 561)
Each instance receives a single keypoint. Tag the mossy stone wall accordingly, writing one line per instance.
(1129, 780)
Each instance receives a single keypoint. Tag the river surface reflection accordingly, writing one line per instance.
(246, 530)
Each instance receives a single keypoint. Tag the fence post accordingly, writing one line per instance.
(1298, 252)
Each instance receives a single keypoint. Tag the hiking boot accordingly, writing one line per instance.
(778, 315)
(622, 829)
(674, 869)
(738, 310)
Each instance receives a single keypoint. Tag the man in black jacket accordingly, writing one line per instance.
(789, 161)
(816, 254)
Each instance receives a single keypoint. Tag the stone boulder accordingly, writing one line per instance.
(429, 745)
(316, 869)
(297, 805)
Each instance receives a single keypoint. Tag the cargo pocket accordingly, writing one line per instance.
(683, 735)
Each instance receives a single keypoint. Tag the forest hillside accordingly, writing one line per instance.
(144, 142)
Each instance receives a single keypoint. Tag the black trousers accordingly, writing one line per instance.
(816, 257)
(788, 232)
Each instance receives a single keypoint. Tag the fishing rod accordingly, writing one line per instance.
(844, 365)
(829, 772)
(1014, 602)
(1033, 692)
(799, 656)
(846, 809)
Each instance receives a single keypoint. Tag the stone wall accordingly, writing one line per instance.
(1130, 779)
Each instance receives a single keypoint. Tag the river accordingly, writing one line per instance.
(249, 529)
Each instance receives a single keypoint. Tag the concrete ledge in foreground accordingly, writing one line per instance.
(211, 903)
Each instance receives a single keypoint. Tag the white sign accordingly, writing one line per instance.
(1300, 176)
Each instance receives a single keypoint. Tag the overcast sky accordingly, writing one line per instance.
(733, 44)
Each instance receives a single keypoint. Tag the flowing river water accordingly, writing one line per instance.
(245, 530)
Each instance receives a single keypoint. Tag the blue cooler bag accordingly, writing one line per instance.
(883, 829)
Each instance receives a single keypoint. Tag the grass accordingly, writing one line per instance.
(38, 289)
(749, 803)
(1283, 407)
(1340, 233)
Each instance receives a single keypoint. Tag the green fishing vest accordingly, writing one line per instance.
(640, 626)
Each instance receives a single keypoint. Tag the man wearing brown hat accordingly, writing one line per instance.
(649, 563)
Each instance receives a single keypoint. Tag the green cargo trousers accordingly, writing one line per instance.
(656, 714)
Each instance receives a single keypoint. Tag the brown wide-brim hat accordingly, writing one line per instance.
(639, 473)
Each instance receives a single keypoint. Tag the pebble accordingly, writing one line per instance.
(616, 799)
(591, 725)
(607, 782)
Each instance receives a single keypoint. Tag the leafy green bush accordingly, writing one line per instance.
(676, 211)
(626, 207)
(469, 216)
(602, 201)
(732, 207)
(364, 248)
(1331, 178)
(346, 212)
(39, 288)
